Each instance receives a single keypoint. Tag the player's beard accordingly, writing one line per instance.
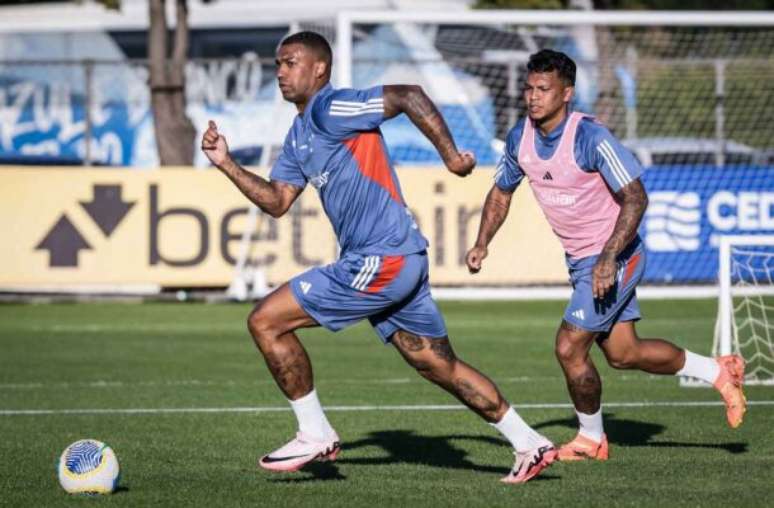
(546, 117)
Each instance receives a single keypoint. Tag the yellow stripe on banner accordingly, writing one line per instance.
(179, 227)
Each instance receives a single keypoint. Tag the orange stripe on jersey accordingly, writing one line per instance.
(630, 267)
(391, 266)
(372, 161)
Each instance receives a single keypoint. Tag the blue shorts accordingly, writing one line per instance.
(619, 304)
(393, 292)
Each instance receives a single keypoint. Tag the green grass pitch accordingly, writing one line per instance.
(110, 356)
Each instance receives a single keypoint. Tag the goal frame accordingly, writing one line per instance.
(345, 20)
(725, 338)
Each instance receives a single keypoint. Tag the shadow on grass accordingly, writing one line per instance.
(406, 447)
(315, 471)
(636, 433)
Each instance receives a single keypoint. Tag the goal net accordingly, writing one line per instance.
(677, 89)
(745, 324)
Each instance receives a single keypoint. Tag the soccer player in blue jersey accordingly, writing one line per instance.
(382, 274)
(589, 189)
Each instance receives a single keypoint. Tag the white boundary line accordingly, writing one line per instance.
(419, 407)
(86, 289)
(564, 292)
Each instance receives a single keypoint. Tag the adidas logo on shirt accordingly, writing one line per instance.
(548, 176)
(305, 286)
(579, 314)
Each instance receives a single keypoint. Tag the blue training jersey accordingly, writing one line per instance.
(336, 145)
(596, 149)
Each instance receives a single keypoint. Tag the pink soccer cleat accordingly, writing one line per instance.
(299, 452)
(582, 448)
(729, 384)
(530, 463)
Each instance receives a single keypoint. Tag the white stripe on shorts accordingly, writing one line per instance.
(370, 275)
(369, 264)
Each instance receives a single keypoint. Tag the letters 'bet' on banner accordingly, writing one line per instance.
(70, 227)
(66, 227)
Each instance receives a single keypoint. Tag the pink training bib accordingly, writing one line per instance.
(578, 205)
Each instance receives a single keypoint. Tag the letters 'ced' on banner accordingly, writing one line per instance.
(181, 227)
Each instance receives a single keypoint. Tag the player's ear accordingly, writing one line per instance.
(320, 69)
(568, 93)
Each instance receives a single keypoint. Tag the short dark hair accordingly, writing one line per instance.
(313, 41)
(548, 60)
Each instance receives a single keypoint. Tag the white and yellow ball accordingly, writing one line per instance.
(88, 466)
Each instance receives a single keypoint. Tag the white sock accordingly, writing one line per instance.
(310, 416)
(701, 367)
(518, 432)
(591, 425)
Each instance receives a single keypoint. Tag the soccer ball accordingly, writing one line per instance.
(88, 466)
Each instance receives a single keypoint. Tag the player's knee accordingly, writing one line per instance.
(566, 352)
(261, 326)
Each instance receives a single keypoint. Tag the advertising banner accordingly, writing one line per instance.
(690, 207)
(70, 227)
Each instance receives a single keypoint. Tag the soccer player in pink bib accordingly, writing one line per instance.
(382, 274)
(589, 189)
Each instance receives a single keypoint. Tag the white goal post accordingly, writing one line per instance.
(745, 323)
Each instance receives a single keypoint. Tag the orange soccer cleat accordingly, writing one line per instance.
(729, 384)
(582, 448)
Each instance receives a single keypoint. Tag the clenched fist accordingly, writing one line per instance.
(463, 164)
(214, 145)
(474, 258)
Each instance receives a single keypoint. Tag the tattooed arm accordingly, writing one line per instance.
(272, 197)
(496, 207)
(633, 201)
(413, 101)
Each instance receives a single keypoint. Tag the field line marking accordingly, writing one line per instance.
(418, 407)
(100, 384)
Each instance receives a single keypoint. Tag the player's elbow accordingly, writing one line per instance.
(278, 205)
(415, 91)
(633, 196)
(275, 212)
(640, 203)
(644, 201)
(403, 99)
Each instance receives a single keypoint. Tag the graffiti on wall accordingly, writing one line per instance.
(45, 117)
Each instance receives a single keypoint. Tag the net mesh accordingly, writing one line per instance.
(752, 277)
(711, 86)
